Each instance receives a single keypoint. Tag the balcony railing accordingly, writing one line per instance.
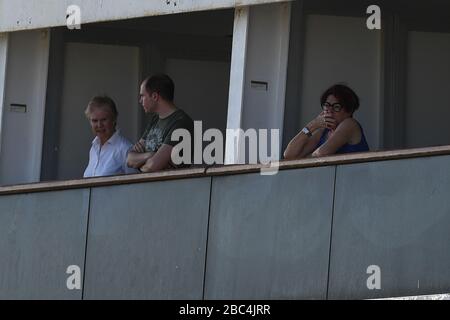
(311, 231)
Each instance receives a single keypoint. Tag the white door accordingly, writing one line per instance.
(24, 106)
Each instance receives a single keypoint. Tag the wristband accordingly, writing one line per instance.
(306, 131)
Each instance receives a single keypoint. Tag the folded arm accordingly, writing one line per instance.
(343, 135)
(159, 161)
(302, 145)
(137, 155)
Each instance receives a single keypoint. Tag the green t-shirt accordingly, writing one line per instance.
(159, 131)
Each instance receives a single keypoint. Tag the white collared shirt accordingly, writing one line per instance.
(109, 159)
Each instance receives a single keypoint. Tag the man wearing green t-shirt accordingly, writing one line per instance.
(153, 151)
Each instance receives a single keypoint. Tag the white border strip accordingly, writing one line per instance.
(237, 80)
(3, 68)
(33, 14)
(443, 296)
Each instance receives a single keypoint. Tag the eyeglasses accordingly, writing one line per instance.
(335, 106)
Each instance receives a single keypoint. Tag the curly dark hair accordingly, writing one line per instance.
(346, 96)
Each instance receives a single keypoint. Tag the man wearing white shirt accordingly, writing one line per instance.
(109, 149)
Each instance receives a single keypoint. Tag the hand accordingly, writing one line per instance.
(330, 122)
(323, 120)
(139, 147)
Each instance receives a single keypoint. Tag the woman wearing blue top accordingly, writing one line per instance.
(334, 130)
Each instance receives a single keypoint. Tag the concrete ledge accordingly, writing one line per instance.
(226, 170)
(102, 181)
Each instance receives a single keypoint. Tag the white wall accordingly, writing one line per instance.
(89, 70)
(201, 89)
(267, 44)
(342, 49)
(237, 80)
(267, 52)
(3, 62)
(428, 87)
(26, 82)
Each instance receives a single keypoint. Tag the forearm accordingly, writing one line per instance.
(160, 161)
(152, 165)
(296, 146)
(136, 160)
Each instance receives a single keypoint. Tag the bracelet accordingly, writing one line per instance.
(306, 131)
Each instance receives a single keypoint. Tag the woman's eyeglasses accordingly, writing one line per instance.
(336, 107)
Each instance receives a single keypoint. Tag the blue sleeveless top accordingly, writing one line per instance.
(362, 146)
